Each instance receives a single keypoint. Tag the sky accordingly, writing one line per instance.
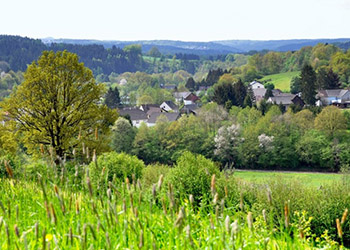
(186, 20)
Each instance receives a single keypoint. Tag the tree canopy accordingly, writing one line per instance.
(57, 105)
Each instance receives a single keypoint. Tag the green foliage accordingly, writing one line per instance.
(112, 98)
(154, 52)
(123, 135)
(119, 166)
(58, 101)
(308, 85)
(330, 120)
(9, 165)
(191, 175)
(152, 173)
(224, 92)
(295, 85)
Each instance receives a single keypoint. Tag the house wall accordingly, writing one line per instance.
(137, 123)
(257, 86)
(188, 102)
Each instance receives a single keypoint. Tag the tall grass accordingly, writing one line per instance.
(68, 212)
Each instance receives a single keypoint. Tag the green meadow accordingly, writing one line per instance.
(309, 179)
(282, 80)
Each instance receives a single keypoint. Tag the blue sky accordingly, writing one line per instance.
(187, 20)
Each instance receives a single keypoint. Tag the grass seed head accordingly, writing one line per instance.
(286, 214)
(180, 218)
(212, 185)
(88, 182)
(191, 199)
(250, 220)
(264, 215)
(16, 231)
(235, 227)
(216, 198)
(141, 243)
(160, 181)
(154, 191)
(227, 223)
(343, 218)
(339, 228)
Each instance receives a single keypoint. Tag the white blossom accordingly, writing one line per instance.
(266, 142)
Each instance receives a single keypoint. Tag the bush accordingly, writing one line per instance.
(119, 165)
(151, 173)
(32, 169)
(13, 162)
(192, 175)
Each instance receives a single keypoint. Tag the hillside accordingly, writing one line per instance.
(208, 48)
(281, 80)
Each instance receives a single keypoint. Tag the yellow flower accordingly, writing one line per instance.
(48, 237)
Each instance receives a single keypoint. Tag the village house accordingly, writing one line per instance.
(169, 106)
(137, 116)
(259, 93)
(256, 85)
(286, 100)
(150, 108)
(171, 117)
(190, 109)
(185, 97)
(338, 97)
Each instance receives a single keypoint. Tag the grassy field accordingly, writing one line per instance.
(310, 179)
(53, 218)
(56, 209)
(282, 80)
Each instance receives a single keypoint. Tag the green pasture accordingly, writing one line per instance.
(282, 80)
(310, 179)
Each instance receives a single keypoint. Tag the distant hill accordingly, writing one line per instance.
(208, 48)
(278, 45)
(164, 46)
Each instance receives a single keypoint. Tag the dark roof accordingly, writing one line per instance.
(181, 94)
(171, 116)
(135, 113)
(172, 105)
(190, 108)
(150, 108)
(339, 93)
(285, 99)
(191, 97)
(277, 92)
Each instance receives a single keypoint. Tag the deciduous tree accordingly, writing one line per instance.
(57, 105)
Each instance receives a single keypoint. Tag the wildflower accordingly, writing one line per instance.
(48, 237)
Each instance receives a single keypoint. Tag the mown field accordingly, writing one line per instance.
(309, 179)
(282, 80)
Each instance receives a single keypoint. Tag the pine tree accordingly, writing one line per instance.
(308, 85)
(327, 79)
(112, 99)
(190, 84)
(268, 94)
(240, 93)
(333, 80)
(224, 92)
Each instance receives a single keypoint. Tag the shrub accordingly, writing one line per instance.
(119, 165)
(192, 175)
(32, 169)
(13, 162)
(151, 174)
